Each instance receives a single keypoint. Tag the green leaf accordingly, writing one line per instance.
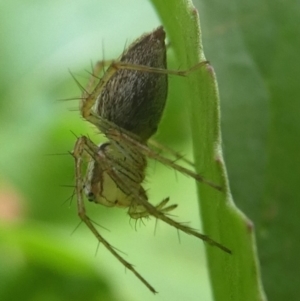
(254, 47)
(236, 276)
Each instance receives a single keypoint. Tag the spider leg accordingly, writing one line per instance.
(141, 199)
(131, 148)
(110, 162)
(115, 133)
(118, 136)
(83, 144)
(96, 70)
(93, 90)
(166, 149)
(136, 211)
(128, 66)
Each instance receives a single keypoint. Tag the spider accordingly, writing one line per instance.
(126, 104)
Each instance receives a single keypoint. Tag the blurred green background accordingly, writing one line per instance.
(39, 254)
(254, 48)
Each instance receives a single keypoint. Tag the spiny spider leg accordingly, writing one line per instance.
(96, 70)
(113, 169)
(119, 136)
(124, 65)
(89, 98)
(116, 135)
(94, 75)
(164, 148)
(112, 165)
(139, 214)
(80, 147)
(161, 206)
(140, 199)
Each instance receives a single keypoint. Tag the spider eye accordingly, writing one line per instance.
(90, 196)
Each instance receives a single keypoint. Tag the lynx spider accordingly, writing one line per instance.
(117, 168)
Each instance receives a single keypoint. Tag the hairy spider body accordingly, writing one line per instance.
(135, 100)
